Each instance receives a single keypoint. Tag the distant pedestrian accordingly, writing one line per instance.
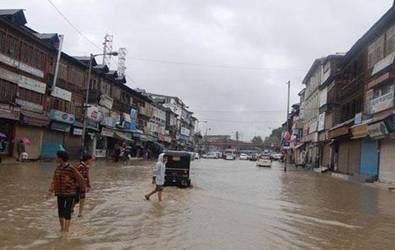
(65, 183)
(160, 170)
(21, 150)
(83, 169)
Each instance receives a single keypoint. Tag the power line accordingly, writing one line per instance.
(235, 121)
(73, 26)
(162, 61)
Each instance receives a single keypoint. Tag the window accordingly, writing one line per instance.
(2, 41)
(61, 105)
(105, 88)
(383, 90)
(26, 53)
(76, 77)
(390, 40)
(12, 46)
(63, 71)
(7, 91)
(30, 96)
(376, 52)
(38, 59)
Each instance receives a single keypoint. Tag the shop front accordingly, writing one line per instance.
(106, 140)
(72, 141)
(9, 115)
(59, 128)
(32, 125)
(384, 130)
(346, 152)
(369, 163)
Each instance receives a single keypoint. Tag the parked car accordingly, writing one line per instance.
(253, 157)
(230, 156)
(197, 156)
(211, 155)
(277, 156)
(243, 157)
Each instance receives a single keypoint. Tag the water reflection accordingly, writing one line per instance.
(233, 205)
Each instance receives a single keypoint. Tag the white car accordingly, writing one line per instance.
(264, 162)
(243, 157)
(230, 157)
(197, 156)
(210, 155)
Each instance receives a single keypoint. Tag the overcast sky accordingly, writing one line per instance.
(228, 60)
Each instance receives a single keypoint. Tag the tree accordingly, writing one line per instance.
(274, 139)
(257, 140)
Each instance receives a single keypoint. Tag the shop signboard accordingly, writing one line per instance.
(106, 101)
(126, 117)
(9, 112)
(62, 127)
(19, 65)
(77, 131)
(29, 105)
(185, 131)
(109, 121)
(60, 116)
(377, 130)
(383, 102)
(133, 119)
(93, 113)
(23, 81)
(61, 94)
(107, 132)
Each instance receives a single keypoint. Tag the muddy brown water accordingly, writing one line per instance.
(233, 205)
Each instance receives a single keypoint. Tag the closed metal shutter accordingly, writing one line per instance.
(51, 142)
(387, 161)
(342, 163)
(354, 156)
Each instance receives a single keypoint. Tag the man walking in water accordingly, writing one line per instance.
(66, 181)
(159, 177)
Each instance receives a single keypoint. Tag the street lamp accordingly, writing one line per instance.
(92, 56)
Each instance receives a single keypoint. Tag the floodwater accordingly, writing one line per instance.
(233, 205)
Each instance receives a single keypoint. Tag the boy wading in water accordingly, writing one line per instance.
(83, 169)
(159, 177)
(65, 183)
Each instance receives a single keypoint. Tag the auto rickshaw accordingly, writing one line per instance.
(178, 168)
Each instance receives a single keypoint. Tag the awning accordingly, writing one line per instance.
(107, 132)
(122, 136)
(359, 131)
(340, 129)
(299, 146)
(9, 112)
(377, 130)
(34, 119)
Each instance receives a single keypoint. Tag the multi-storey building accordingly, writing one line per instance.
(310, 111)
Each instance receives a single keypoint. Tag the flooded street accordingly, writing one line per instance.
(233, 205)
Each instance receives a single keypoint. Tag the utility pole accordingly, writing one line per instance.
(237, 142)
(289, 94)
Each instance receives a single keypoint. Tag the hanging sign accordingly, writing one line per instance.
(61, 94)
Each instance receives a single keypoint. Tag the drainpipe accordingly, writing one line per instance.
(55, 78)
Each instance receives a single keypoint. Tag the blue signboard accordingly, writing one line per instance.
(56, 115)
(133, 119)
